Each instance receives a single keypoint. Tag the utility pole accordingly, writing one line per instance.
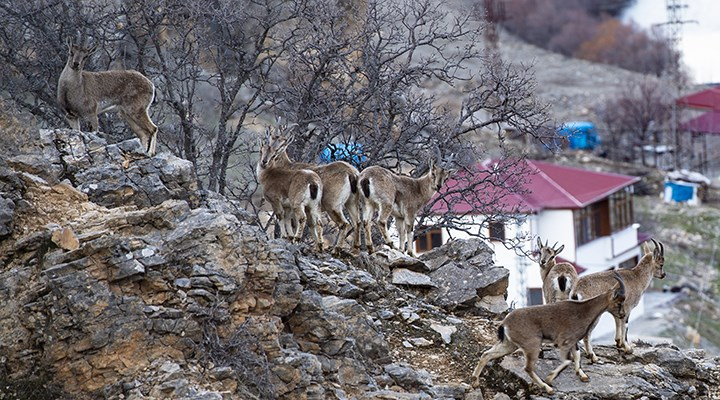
(673, 28)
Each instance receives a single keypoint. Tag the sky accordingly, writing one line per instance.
(700, 40)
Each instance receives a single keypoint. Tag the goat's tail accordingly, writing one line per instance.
(501, 333)
(353, 179)
(562, 283)
(314, 191)
(365, 184)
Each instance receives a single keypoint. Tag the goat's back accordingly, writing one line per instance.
(559, 321)
(339, 178)
(378, 185)
(559, 282)
(600, 282)
(123, 87)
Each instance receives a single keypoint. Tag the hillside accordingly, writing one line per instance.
(121, 279)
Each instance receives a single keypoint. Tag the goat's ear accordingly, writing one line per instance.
(560, 249)
(69, 43)
(645, 248)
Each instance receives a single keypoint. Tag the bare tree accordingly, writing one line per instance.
(635, 118)
(354, 75)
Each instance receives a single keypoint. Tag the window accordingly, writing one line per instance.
(604, 217)
(496, 231)
(534, 296)
(428, 240)
(621, 209)
(592, 222)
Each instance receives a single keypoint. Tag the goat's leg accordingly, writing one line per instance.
(401, 226)
(499, 350)
(531, 355)
(301, 220)
(143, 127)
(589, 353)
(73, 122)
(382, 220)
(352, 207)
(410, 231)
(342, 224)
(279, 212)
(564, 353)
(366, 222)
(625, 345)
(315, 227)
(94, 123)
(578, 370)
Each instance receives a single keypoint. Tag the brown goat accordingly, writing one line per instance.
(294, 194)
(564, 323)
(637, 280)
(558, 278)
(399, 196)
(85, 95)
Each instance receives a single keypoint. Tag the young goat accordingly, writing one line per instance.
(563, 323)
(340, 190)
(399, 196)
(637, 280)
(558, 278)
(294, 194)
(85, 95)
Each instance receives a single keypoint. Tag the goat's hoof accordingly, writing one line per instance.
(549, 390)
(584, 378)
(628, 350)
(476, 383)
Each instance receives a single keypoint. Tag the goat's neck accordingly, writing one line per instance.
(283, 160)
(425, 186)
(644, 270)
(545, 269)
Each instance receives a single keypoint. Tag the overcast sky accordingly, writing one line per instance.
(700, 43)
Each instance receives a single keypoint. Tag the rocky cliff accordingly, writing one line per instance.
(120, 279)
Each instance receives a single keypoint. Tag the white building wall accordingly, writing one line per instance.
(557, 226)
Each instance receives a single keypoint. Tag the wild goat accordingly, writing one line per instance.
(637, 280)
(85, 95)
(340, 190)
(399, 196)
(294, 194)
(563, 323)
(558, 278)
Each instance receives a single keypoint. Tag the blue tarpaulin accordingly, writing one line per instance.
(680, 193)
(581, 135)
(350, 152)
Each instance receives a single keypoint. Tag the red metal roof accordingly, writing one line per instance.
(539, 185)
(708, 122)
(708, 99)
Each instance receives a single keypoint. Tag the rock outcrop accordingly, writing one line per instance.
(120, 279)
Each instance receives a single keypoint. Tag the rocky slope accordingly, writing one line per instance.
(120, 279)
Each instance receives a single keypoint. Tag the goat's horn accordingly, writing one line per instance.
(554, 245)
(657, 247)
(662, 249)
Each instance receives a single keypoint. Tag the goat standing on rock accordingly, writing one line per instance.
(85, 95)
(340, 190)
(637, 280)
(294, 194)
(558, 278)
(564, 323)
(399, 196)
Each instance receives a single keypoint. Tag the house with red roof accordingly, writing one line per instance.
(589, 212)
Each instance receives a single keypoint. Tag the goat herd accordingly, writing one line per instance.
(298, 192)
